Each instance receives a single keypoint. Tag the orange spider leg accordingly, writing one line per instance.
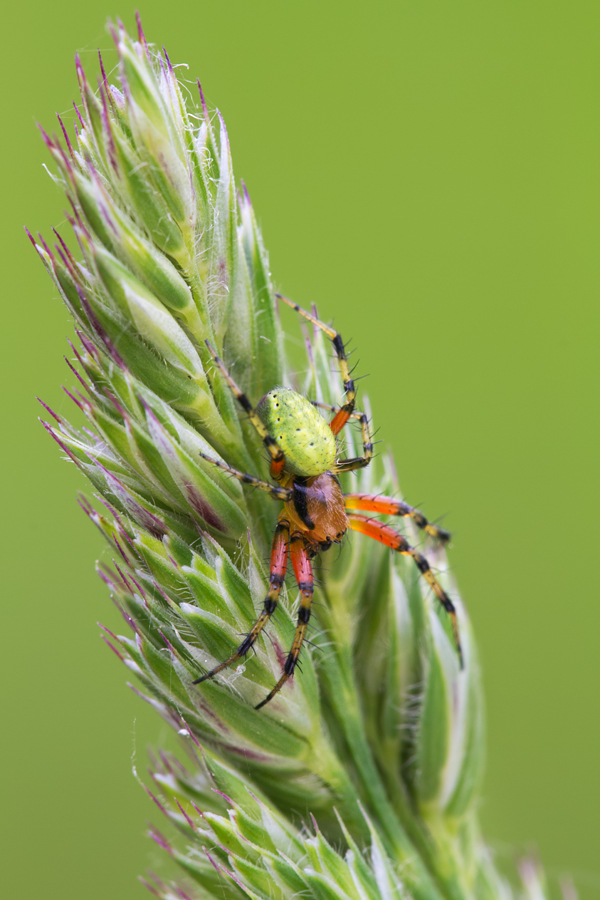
(279, 561)
(386, 535)
(276, 468)
(304, 578)
(390, 507)
(339, 420)
(336, 425)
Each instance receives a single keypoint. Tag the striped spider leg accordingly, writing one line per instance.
(305, 581)
(389, 506)
(343, 414)
(273, 449)
(297, 550)
(279, 561)
(377, 530)
(346, 411)
(275, 490)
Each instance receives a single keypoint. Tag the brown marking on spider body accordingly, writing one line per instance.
(321, 501)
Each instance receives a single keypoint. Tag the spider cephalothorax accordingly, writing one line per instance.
(316, 514)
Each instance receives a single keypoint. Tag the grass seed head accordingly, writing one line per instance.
(380, 736)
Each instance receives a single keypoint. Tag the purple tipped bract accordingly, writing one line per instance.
(79, 401)
(194, 740)
(29, 235)
(77, 375)
(46, 138)
(202, 100)
(168, 60)
(112, 150)
(113, 648)
(66, 250)
(81, 78)
(100, 331)
(149, 887)
(246, 194)
(158, 803)
(66, 136)
(79, 116)
(181, 893)
(52, 413)
(60, 443)
(104, 80)
(110, 633)
(140, 31)
(44, 244)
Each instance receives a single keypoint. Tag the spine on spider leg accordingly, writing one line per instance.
(379, 737)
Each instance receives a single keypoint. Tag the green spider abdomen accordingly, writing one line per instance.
(302, 433)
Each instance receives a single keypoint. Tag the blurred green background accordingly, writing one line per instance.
(427, 173)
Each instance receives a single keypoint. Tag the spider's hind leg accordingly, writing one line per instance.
(304, 578)
(279, 560)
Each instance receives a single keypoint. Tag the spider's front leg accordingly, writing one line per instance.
(304, 578)
(386, 535)
(279, 561)
(275, 491)
(273, 449)
(344, 412)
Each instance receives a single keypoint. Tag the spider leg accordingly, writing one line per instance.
(343, 414)
(384, 533)
(336, 410)
(276, 492)
(390, 507)
(279, 560)
(304, 578)
(359, 462)
(273, 448)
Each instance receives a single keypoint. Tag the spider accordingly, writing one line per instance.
(302, 450)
